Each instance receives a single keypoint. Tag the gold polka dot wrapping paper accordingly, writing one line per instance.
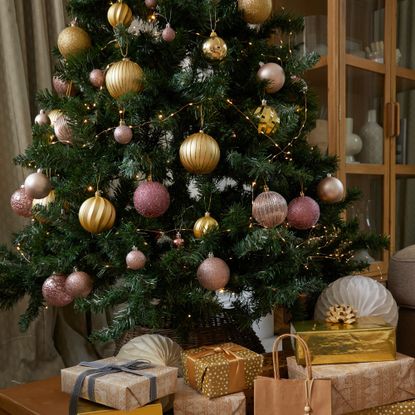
(221, 369)
(399, 408)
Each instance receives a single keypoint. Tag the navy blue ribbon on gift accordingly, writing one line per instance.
(102, 369)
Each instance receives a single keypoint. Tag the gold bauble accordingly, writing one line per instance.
(97, 214)
(45, 202)
(267, 118)
(54, 115)
(119, 13)
(255, 11)
(124, 76)
(204, 224)
(199, 153)
(73, 40)
(215, 47)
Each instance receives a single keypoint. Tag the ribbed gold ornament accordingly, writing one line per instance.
(199, 153)
(267, 118)
(215, 47)
(45, 202)
(54, 115)
(73, 40)
(124, 76)
(97, 214)
(255, 11)
(204, 224)
(119, 13)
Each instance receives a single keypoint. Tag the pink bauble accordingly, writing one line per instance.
(97, 78)
(330, 190)
(42, 118)
(213, 273)
(62, 130)
(273, 74)
(37, 185)
(63, 87)
(303, 212)
(53, 290)
(21, 203)
(151, 4)
(269, 209)
(78, 284)
(151, 199)
(123, 134)
(135, 259)
(168, 34)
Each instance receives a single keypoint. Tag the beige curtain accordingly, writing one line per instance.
(28, 31)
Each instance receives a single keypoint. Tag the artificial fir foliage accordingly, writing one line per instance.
(180, 92)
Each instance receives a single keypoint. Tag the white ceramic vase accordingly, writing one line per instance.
(319, 136)
(353, 142)
(372, 137)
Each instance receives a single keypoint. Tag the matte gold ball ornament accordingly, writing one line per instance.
(119, 13)
(44, 203)
(330, 190)
(267, 119)
(215, 48)
(204, 224)
(73, 40)
(97, 214)
(213, 273)
(269, 208)
(123, 77)
(255, 11)
(199, 153)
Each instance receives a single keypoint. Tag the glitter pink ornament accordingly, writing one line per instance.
(97, 78)
(213, 273)
(123, 134)
(42, 118)
(168, 34)
(21, 203)
(78, 284)
(135, 259)
(151, 199)
(303, 213)
(63, 87)
(53, 290)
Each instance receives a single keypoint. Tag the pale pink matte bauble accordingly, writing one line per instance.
(53, 290)
(213, 273)
(42, 118)
(21, 203)
(135, 259)
(168, 34)
(151, 199)
(274, 74)
(123, 134)
(97, 78)
(78, 284)
(303, 212)
(151, 4)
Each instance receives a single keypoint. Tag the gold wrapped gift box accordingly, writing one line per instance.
(221, 369)
(90, 408)
(370, 339)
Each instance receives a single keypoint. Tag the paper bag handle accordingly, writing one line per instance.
(303, 344)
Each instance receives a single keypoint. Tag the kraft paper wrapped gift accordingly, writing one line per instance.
(370, 339)
(221, 369)
(188, 401)
(128, 389)
(399, 408)
(91, 408)
(358, 386)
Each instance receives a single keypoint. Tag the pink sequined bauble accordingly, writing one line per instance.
(63, 87)
(21, 203)
(97, 78)
(123, 134)
(53, 290)
(78, 284)
(273, 74)
(168, 34)
(63, 131)
(303, 212)
(151, 4)
(269, 209)
(151, 199)
(135, 259)
(213, 273)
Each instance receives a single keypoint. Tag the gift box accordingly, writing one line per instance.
(188, 401)
(370, 339)
(91, 408)
(357, 386)
(118, 383)
(399, 408)
(221, 369)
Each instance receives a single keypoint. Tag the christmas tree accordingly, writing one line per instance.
(173, 142)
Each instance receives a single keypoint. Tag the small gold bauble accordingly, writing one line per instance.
(45, 202)
(267, 118)
(97, 214)
(124, 76)
(199, 153)
(215, 47)
(73, 40)
(204, 224)
(119, 13)
(255, 11)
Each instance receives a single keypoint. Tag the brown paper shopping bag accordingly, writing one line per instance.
(275, 396)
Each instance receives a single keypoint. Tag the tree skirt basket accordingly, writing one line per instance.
(218, 329)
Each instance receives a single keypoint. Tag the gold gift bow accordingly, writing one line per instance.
(236, 365)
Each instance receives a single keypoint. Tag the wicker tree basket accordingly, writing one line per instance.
(218, 329)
